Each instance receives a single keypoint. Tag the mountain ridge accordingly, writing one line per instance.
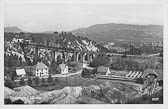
(112, 32)
(13, 29)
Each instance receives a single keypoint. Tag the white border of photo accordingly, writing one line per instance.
(86, 106)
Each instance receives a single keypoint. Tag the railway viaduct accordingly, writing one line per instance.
(78, 55)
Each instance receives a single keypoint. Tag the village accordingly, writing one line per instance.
(31, 66)
(76, 73)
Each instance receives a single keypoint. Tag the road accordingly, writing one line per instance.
(68, 74)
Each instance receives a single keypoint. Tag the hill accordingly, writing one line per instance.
(12, 29)
(116, 32)
(64, 40)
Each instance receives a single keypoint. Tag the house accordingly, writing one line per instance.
(160, 76)
(40, 70)
(63, 68)
(152, 76)
(20, 72)
(150, 73)
(103, 71)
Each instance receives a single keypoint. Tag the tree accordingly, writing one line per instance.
(101, 59)
(48, 42)
(55, 32)
(13, 75)
(36, 80)
(59, 60)
(29, 81)
(50, 79)
(20, 61)
(22, 82)
(86, 73)
(9, 84)
(53, 67)
(45, 62)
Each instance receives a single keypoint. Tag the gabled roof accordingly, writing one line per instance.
(40, 66)
(20, 72)
(62, 66)
(160, 73)
(150, 72)
(102, 69)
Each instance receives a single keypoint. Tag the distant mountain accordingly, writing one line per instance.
(12, 29)
(50, 32)
(115, 32)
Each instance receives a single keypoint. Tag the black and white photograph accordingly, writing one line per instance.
(83, 52)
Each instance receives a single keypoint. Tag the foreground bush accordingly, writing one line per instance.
(9, 84)
(8, 101)
(29, 81)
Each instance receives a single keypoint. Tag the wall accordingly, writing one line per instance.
(41, 72)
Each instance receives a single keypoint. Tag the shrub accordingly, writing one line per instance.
(139, 80)
(56, 79)
(7, 101)
(36, 80)
(22, 82)
(9, 84)
(50, 79)
(43, 81)
(29, 81)
(86, 73)
(124, 56)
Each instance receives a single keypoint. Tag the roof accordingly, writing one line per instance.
(20, 72)
(40, 66)
(160, 73)
(62, 66)
(149, 72)
(102, 69)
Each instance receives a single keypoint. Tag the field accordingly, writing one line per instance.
(77, 80)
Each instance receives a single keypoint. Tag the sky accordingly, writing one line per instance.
(40, 16)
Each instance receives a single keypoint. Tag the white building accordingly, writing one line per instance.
(40, 70)
(20, 72)
(103, 71)
(63, 68)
